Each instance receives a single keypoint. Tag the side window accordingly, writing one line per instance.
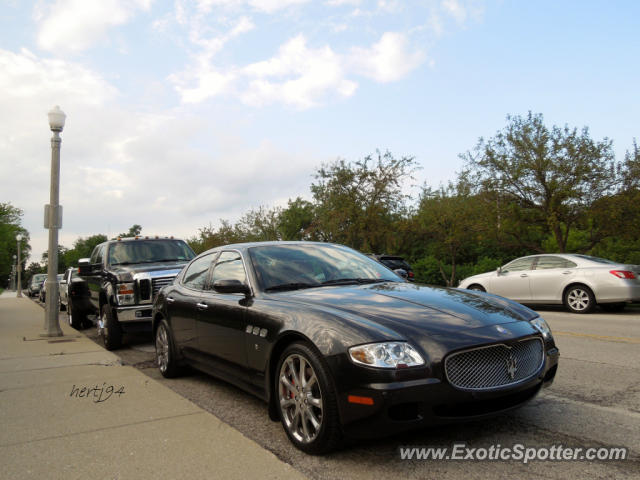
(94, 255)
(196, 275)
(518, 265)
(545, 263)
(98, 253)
(229, 267)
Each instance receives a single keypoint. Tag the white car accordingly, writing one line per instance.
(577, 281)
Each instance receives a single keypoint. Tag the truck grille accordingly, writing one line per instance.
(145, 289)
(496, 365)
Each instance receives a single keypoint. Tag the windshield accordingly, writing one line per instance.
(148, 251)
(39, 277)
(290, 266)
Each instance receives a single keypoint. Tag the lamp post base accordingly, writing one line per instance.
(52, 334)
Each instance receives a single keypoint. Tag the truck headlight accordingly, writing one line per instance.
(386, 355)
(126, 294)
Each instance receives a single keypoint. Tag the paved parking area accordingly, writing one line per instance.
(594, 402)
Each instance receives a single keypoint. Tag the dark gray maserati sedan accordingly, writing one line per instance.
(340, 346)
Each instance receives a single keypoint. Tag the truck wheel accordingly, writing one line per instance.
(109, 329)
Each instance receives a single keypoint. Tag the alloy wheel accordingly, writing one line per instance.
(162, 349)
(578, 299)
(300, 398)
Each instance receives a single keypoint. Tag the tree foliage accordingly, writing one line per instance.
(10, 228)
(357, 203)
(552, 176)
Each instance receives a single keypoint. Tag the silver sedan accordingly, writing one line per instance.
(577, 281)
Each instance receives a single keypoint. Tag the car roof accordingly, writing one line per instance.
(247, 245)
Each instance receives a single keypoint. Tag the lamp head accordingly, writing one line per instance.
(56, 119)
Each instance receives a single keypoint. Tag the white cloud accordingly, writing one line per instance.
(455, 9)
(120, 166)
(266, 6)
(339, 3)
(299, 75)
(388, 60)
(75, 25)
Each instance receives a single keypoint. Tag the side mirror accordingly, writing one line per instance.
(401, 272)
(231, 286)
(499, 270)
(84, 267)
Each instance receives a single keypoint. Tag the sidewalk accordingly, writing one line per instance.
(148, 431)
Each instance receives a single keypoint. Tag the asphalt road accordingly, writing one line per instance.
(594, 402)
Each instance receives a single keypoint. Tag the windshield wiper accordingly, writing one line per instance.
(290, 286)
(122, 263)
(353, 281)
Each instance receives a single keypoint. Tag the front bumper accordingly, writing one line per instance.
(134, 313)
(404, 405)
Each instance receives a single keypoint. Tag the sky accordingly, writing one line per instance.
(181, 113)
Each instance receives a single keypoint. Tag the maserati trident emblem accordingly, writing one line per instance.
(512, 367)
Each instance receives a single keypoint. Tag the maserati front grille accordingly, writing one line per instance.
(495, 366)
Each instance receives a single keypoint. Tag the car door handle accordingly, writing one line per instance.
(202, 306)
(566, 273)
(524, 275)
(170, 300)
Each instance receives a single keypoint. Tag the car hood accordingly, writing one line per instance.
(479, 275)
(410, 309)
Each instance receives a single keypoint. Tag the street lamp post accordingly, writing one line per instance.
(19, 287)
(14, 272)
(53, 221)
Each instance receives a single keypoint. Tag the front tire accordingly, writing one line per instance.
(579, 299)
(165, 351)
(306, 400)
(109, 329)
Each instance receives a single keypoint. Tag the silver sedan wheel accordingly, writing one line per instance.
(578, 299)
(300, 398)
(162, 348)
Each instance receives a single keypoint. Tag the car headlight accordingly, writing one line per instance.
(540, 325)
(386, 355)
(125, 294)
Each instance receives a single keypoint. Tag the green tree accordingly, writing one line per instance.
(295, 222)
(452, 221)
(357, 203)
(134, 230)
(10, 227)
(550, 176)
(82, 248)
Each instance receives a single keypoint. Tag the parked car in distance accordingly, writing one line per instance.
(578, 282)
(339, 345)
(36, 283)
(42, 294)
(75, 299)
(124, 275)
(397, 264)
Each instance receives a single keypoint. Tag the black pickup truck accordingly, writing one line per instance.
(124, 275)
